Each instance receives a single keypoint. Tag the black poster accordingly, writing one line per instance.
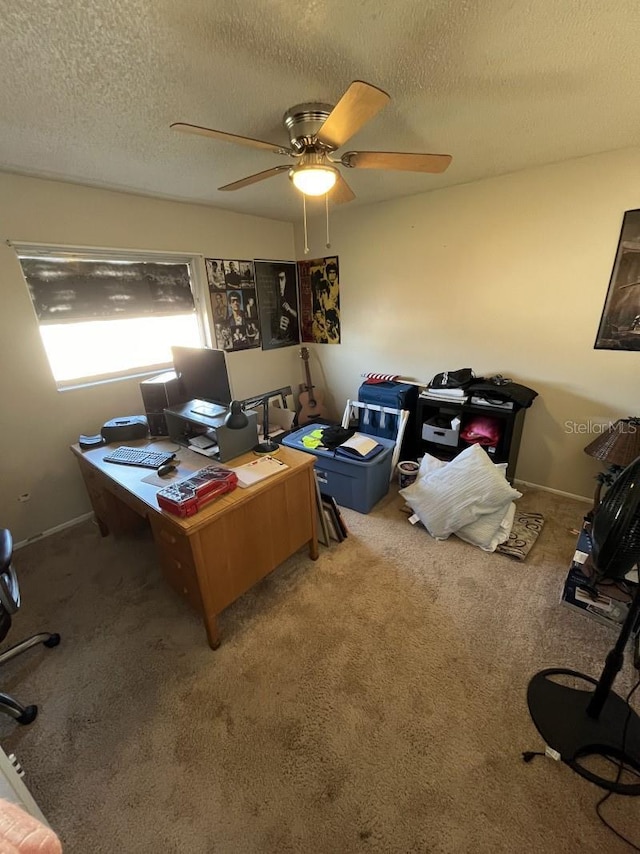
(277, 288)
(620, 322)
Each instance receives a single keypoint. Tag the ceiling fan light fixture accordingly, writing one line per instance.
(316, 131)
(314, 180)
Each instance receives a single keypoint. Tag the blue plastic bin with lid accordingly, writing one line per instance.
(353, 483)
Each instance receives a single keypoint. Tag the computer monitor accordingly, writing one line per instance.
(202, 372)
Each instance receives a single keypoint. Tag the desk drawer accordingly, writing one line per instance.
(171, 541)
(116, 509)
(182, 577)
(176, 560)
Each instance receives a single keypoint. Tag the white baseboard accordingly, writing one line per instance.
(55, 530)
(85, 516)
(555, 491)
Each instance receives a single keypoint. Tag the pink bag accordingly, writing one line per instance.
(482, 430)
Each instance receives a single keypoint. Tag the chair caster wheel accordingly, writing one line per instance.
(54, 640)
(30, 714)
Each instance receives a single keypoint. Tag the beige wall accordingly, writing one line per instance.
(37, 423)
(507, 276)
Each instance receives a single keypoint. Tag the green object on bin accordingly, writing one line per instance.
(312, 440)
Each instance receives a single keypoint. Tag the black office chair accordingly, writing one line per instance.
(9, 604)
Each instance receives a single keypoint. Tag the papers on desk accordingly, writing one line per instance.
(280, 420)
(258, 470)
(211, 451)
(210, 410)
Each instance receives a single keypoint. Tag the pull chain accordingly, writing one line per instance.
(304, 211)
(326, 210)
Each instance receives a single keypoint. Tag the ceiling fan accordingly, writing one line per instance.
(316, 131)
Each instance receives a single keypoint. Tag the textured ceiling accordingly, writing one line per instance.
(90, 87)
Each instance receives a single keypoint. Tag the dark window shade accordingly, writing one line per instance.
(64, 290)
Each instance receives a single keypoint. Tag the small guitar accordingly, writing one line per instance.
(311, 402)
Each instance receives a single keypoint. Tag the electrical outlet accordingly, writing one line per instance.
(26, 496)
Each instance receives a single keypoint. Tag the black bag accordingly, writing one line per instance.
(452, 379)
(334, 436)
(497, 390)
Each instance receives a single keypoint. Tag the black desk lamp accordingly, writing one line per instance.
(236, 418)
(266, 446)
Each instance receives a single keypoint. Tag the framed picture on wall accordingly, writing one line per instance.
(234, 303)
(277, 289)
(620, 322)
(320, 300)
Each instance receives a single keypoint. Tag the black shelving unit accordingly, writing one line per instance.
(510, 422)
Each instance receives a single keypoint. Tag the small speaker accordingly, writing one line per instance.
(125, 428)
(158, 394)
(88, 442)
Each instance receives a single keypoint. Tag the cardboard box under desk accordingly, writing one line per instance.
(356, 484)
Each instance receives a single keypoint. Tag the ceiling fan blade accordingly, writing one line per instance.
(253, 179)
(397, 160)
(341, 192)
(359, 103)
(231, 137)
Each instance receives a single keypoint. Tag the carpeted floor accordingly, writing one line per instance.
(373, 701)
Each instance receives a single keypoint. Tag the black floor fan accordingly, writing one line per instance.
(577, 722)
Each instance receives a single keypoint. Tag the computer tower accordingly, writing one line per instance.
(158, 394)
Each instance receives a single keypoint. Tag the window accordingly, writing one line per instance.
(108, 315)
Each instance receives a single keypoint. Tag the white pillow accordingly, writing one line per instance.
(429, 464)
(489, 531)
(458, 493)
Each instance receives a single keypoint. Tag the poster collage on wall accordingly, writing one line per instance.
(273, 304)
(320, 300)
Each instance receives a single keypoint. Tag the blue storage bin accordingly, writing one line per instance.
(354, 484)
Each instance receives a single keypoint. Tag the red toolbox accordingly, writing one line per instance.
(192, 494)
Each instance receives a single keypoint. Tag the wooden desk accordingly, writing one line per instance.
(214, 557)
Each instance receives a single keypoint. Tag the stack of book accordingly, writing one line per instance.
(448, 395)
